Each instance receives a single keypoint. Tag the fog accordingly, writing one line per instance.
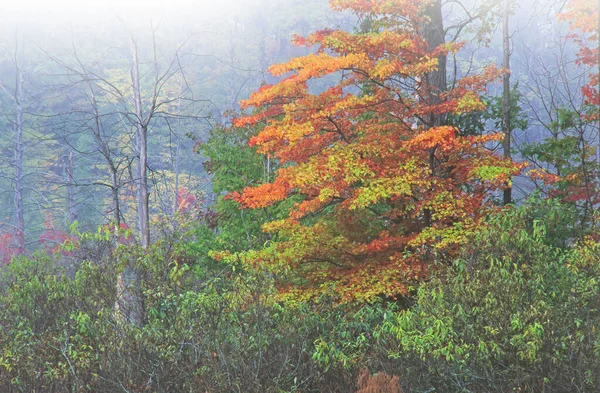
(212, 55)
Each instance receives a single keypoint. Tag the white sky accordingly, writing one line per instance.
(72, 5)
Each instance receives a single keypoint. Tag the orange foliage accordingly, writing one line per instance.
(185, 200)
(378, 188)
(378, 383)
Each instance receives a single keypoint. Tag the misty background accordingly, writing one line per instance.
(68, 66)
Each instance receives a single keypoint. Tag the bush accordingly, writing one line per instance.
(518, 313)
(206, 328)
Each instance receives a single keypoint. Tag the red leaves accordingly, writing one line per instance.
(53, 239)
(582, 16)
(9, 247)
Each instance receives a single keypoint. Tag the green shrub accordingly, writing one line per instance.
(206, 328)
(517, 313)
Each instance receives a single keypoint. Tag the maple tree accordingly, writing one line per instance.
(379, 180)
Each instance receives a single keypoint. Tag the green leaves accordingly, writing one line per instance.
(516, 308)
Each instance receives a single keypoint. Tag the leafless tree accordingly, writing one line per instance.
(16, 95)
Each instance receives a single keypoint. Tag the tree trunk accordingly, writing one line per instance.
(142, 131)
(69, 179)
(434, 34)
(19, 148)
(506, 128)
(129, 302)
(143, 189)
(177, 153)
(104, 149)
(114, 181)
(435, 81)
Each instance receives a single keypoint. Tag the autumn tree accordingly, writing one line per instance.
(377, 180)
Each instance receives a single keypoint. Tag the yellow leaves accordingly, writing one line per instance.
(326, 194)
(440, 238)
(446, 204)
(469, 102)
(274, 226)
(296, 131)
(382, 188)
(492, 173)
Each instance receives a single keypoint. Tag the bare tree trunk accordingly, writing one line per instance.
(116, 209)
(69, 179)
(177, 152)
(19, 148)
(143, 189)
(142, 134)
(506, 128)
(105, 150)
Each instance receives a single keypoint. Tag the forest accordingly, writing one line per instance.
(279, 196)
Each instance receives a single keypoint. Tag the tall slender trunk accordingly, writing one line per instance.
(435, 81)
(19, 148)
(142, 134)
(114, 183)
(69, 179)
(506, 127)
(434, 34)
(129, 302)
(143, 189)
(177, 152)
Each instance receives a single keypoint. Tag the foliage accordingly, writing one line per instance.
(478, 122)
(567, 165)
(568, 160)
(377, 185)
(518, 312)
(582, 16)
(233, 165)
(206, 327)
